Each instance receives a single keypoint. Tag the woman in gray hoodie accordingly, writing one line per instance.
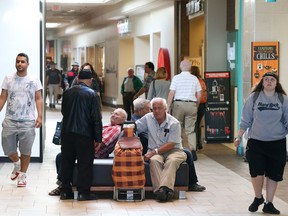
(265, 115)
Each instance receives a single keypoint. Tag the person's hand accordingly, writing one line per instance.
(237, 141)
(97, 146)
(148, 155)
(38, 122)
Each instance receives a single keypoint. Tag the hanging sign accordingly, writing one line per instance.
(265, 58)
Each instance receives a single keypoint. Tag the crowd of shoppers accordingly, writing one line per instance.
(84, 138)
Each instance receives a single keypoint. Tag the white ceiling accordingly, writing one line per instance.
(87, 15)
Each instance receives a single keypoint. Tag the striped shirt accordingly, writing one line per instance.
(185, 86)
(110, 135)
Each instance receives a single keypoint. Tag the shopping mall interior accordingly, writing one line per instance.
(119, 34)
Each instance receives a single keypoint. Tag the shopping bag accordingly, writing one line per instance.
(57, 135)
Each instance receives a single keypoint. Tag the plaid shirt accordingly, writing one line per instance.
(110, 135)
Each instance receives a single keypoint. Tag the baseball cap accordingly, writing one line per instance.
(75, 64)
(85, 74)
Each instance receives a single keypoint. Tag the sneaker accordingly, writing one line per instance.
(196, 187)
(255, 204)
(270, 209)
(22, 180)
(15, 173)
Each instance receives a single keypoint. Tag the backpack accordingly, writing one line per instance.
(203, 98)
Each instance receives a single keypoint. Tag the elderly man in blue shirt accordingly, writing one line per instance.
(165, 151)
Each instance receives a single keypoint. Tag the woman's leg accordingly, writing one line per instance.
(271, 187)
(257, 183)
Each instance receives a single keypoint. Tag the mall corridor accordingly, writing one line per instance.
(225, 175)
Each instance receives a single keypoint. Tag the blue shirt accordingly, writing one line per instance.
(158, 135)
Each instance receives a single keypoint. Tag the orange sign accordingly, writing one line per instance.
(264, 58)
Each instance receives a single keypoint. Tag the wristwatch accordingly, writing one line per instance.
(156, 150)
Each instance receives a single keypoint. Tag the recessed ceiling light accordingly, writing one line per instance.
(52, 25)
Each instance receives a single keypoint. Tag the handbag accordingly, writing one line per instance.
(57, 135)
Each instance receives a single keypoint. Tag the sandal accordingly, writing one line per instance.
(55, 192)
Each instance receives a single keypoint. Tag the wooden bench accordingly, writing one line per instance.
(102, 178)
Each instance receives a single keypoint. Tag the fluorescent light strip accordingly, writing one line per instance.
(52, 25)
(78, 1)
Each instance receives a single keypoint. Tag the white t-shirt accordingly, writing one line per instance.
(185, 86)
(21, 96)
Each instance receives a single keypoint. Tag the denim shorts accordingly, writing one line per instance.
(266, 158)
(18, 134)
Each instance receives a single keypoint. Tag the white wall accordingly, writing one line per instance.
(265, 22)
(20, 32)
(146, 29)
(216, 36)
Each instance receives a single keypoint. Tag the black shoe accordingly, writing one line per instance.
(161, 195)
(194, 155)
(169, 194)
(66, 196)
(255, 204)
(270, 209)
(196, 187)
(53, 106)
(84, 197)
(50, 105)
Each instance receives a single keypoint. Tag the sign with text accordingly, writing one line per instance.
(264, 58)
(218, 114)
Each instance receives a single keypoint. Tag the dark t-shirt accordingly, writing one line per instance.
(53, 76)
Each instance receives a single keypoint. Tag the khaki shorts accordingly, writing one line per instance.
(17, 134)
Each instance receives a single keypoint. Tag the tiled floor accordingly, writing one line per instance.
(225, 175)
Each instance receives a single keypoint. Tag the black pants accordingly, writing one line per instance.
(128, 104)
(200, 114)
(75, 146)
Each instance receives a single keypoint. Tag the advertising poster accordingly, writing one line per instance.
(218, 113)
(140, 72)
(265, 58)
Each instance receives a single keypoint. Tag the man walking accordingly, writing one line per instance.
(22, 92)
(53, 77)
(185, 90)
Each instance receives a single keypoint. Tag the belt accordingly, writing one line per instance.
(186, 101)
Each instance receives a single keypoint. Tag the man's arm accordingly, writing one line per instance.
(3, 98)
(170, 99)
(140, 92)
(60, 79)
(39, 106)
(198, 96)
(163, 149)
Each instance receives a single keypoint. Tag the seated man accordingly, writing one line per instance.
(110, 135)
(165, 151)
(142, 107)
